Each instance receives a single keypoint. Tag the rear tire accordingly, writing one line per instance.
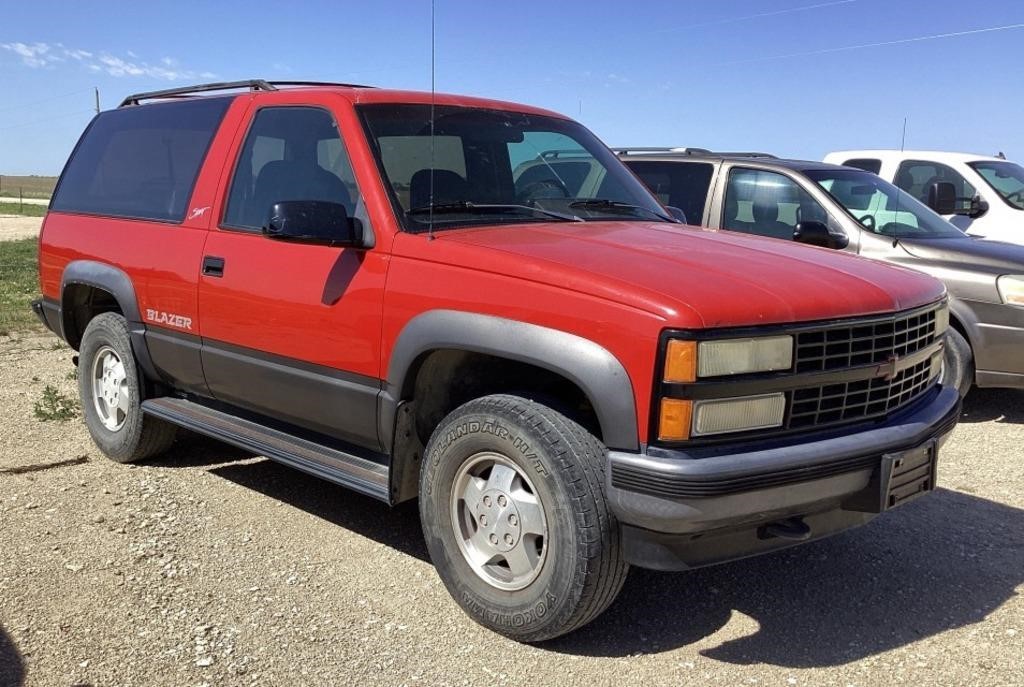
(957, 363)
(108, 384)
(513, 508)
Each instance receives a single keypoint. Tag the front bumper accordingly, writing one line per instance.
(683, 509)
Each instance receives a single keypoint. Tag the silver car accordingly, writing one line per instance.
(849, 209)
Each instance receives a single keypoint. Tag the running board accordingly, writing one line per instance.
(346, 469)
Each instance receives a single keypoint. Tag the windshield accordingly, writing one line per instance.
(1007, 178)
(881, 207)
(496, 167)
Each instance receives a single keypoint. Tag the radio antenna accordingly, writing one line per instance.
(430, 211)
(899, 191)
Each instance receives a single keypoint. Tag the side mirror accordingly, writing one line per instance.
(677, 213)
(942, 197)
(815, 233)
(979, 206)
(313, 221)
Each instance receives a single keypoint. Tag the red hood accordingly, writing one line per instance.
(693, 277)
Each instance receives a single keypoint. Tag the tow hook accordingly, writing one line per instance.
(794, 529)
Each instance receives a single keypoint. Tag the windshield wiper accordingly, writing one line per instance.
(613, 205)
(469, 207)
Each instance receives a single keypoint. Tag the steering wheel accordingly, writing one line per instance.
(540, 190)
(868, 221)
(1019, 195)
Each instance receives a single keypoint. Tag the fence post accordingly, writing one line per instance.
(21, 201)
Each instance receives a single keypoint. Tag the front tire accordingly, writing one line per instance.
(108, 384)
(513, 508)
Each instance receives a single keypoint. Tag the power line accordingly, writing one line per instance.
(44, 100)
(759, 15)
(44, 120)
(880, 44)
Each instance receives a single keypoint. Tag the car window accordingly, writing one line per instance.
(881, 207)
(867, 164)
(290, 153)
(680, 184)
(492, 167)
(140, 162)
(767, 204)
(916, 177)
(1007, 178)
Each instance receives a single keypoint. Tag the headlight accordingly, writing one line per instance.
(741, 414)
(685, 361)
(942, 319)
(1011, 288)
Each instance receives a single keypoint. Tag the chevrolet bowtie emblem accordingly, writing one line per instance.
(887, 370)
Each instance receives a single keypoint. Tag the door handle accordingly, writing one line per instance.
(213, 266)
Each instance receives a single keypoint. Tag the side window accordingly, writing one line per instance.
(681, 184)
(916, 177)
(290, 153)
(867, 164)
(141, 161)
(767, 204)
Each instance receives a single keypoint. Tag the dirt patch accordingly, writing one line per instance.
(214, 566)
(15, 227)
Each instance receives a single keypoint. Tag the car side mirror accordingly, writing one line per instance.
(979, 206)
(942, 197)
(815, 233)
(677, 213)
(313, 221)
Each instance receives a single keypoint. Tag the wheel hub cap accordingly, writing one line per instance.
(500, 524)
(110, 389)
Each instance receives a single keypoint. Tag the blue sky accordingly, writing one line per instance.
(795, 77)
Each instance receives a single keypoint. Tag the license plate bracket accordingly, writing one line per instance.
(900, 477)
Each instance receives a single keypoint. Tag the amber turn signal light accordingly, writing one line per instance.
(674, 419)
(680, 361)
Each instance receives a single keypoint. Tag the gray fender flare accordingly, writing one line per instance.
(119, 285)
(597, 372)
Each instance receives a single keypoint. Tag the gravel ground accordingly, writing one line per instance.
(211, 566)
(17, 227)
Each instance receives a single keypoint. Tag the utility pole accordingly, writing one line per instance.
(97, 89)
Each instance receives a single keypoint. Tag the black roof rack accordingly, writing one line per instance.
(688, 151)
(251, 84)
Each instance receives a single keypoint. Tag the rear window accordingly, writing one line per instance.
(867, 164)
(140, 162)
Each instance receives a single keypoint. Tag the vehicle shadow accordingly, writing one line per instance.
(943, 562)
(192, 450)
(1001, 405)
(940, 563)
(397, 527)
(12, 667)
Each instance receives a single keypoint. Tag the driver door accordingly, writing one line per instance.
(290, 330)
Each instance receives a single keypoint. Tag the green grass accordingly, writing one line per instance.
(30, 186)
(19, 284)
(19, 209)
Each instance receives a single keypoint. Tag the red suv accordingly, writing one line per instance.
(374, 286)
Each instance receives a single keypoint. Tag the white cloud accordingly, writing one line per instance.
(38, 55)
(32, 54)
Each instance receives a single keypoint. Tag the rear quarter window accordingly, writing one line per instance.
(867, 164)
(140, 162)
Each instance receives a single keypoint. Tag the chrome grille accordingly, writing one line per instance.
(845, 346)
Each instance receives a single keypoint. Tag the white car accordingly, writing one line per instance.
(989, 191)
